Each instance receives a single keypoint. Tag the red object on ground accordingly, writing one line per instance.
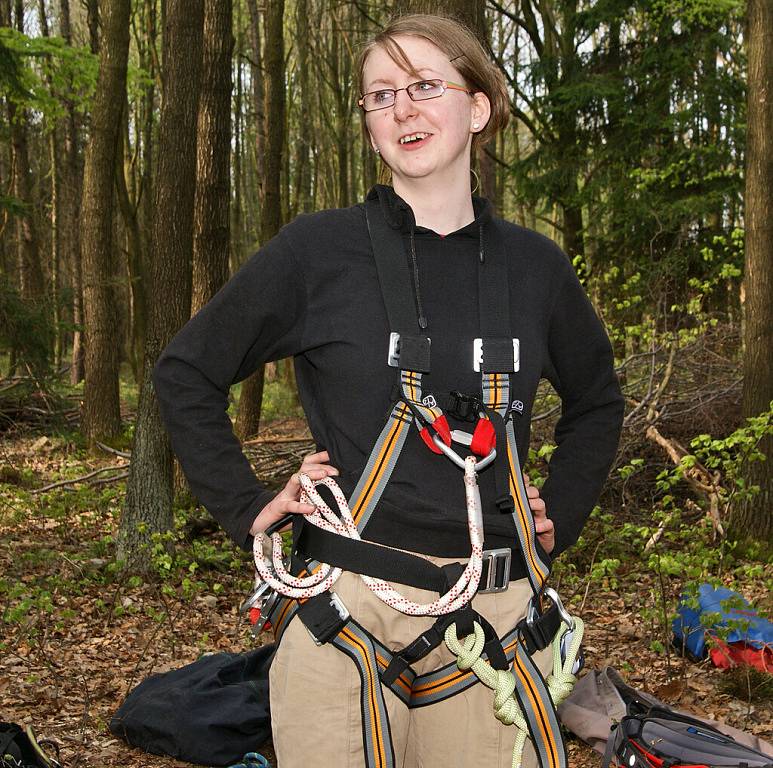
(729, 655)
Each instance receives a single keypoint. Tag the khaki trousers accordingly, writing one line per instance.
(315, 691)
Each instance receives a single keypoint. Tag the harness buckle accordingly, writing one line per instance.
(477, 356)
(465, 407)
(498, 574)
(324, 616)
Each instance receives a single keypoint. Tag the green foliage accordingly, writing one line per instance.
(668, 551)
(25, 327)
(49, 74)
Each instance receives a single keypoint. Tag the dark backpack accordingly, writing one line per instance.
(653, 737)
(210, 712)
(19, 748)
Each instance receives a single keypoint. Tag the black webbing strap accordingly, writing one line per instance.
(494, 305)
(538, 634)
(370, 559)
(396, 289)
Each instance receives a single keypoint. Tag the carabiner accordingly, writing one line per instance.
(463, 438)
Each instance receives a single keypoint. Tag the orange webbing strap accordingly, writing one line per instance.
(376, 736)
(537, 707)
(381, 462)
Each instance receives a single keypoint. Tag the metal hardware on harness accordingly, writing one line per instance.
(494, 557)
(551, 593)
(463, 438)
(393, 356)
(337, 604)
(264, 598)
(477, 355)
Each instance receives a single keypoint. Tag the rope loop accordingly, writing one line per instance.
(274, 573)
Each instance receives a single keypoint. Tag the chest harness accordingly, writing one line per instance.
(329, 543)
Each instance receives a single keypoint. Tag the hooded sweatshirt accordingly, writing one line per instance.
(312, 293)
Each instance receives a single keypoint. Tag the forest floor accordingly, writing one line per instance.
(76, 636)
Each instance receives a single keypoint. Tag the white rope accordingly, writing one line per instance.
(276, 575)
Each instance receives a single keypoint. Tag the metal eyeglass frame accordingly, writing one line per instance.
(445, 85)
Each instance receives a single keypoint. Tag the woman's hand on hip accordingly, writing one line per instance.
(287, 501)
(542, 523)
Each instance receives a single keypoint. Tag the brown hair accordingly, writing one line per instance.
(463, 49)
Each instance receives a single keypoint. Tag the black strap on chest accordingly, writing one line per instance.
(397, 290)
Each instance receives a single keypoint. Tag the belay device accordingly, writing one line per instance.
(330, 543)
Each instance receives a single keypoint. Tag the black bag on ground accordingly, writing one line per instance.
(20, 748)
(210, 712)
(661, 738)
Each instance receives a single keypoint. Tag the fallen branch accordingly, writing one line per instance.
(114, 451)
(697, 476)
(78, 479)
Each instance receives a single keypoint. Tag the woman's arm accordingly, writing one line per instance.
(581, 369)
(257, 316)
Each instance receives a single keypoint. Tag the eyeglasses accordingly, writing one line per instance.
(421, 91)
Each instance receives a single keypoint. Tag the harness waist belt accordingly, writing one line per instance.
(381, 562)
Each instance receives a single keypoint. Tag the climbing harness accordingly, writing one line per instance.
(326, 542)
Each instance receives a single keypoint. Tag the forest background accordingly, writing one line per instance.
(151, 146)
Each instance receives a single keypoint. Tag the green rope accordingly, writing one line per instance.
(506, 709)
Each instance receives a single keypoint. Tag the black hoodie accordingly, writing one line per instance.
(312, 293)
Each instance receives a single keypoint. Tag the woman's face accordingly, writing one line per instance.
(447, 121)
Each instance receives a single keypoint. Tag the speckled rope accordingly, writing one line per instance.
(276, 575)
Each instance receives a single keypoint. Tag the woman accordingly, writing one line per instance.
(429, 95)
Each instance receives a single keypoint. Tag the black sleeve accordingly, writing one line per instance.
(581, 369)
(257, 316)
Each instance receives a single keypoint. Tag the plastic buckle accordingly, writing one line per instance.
(498, 575)
(465, 407)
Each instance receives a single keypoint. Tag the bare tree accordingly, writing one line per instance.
(101, 405)
(148, 506)
(248, 417)
(211, 231)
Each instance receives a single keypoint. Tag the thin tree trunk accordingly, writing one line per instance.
(248, 417)
(148, 506)
(211, 238)
(101, 404)
(72, 184)
(754, 517)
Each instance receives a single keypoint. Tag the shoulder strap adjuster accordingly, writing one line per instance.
(496, 355)
(409, 353)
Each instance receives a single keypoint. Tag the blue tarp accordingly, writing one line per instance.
(687, 627)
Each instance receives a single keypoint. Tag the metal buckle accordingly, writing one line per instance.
(393, 357)
(494, 556)
(477, 355)
(343, 612)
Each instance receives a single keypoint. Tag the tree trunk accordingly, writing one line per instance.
(248, 418)
(72, 184)
(137, 276)
(30, 270)
(147, 510)
(101, 404)
(754, 516)
(211, 228)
